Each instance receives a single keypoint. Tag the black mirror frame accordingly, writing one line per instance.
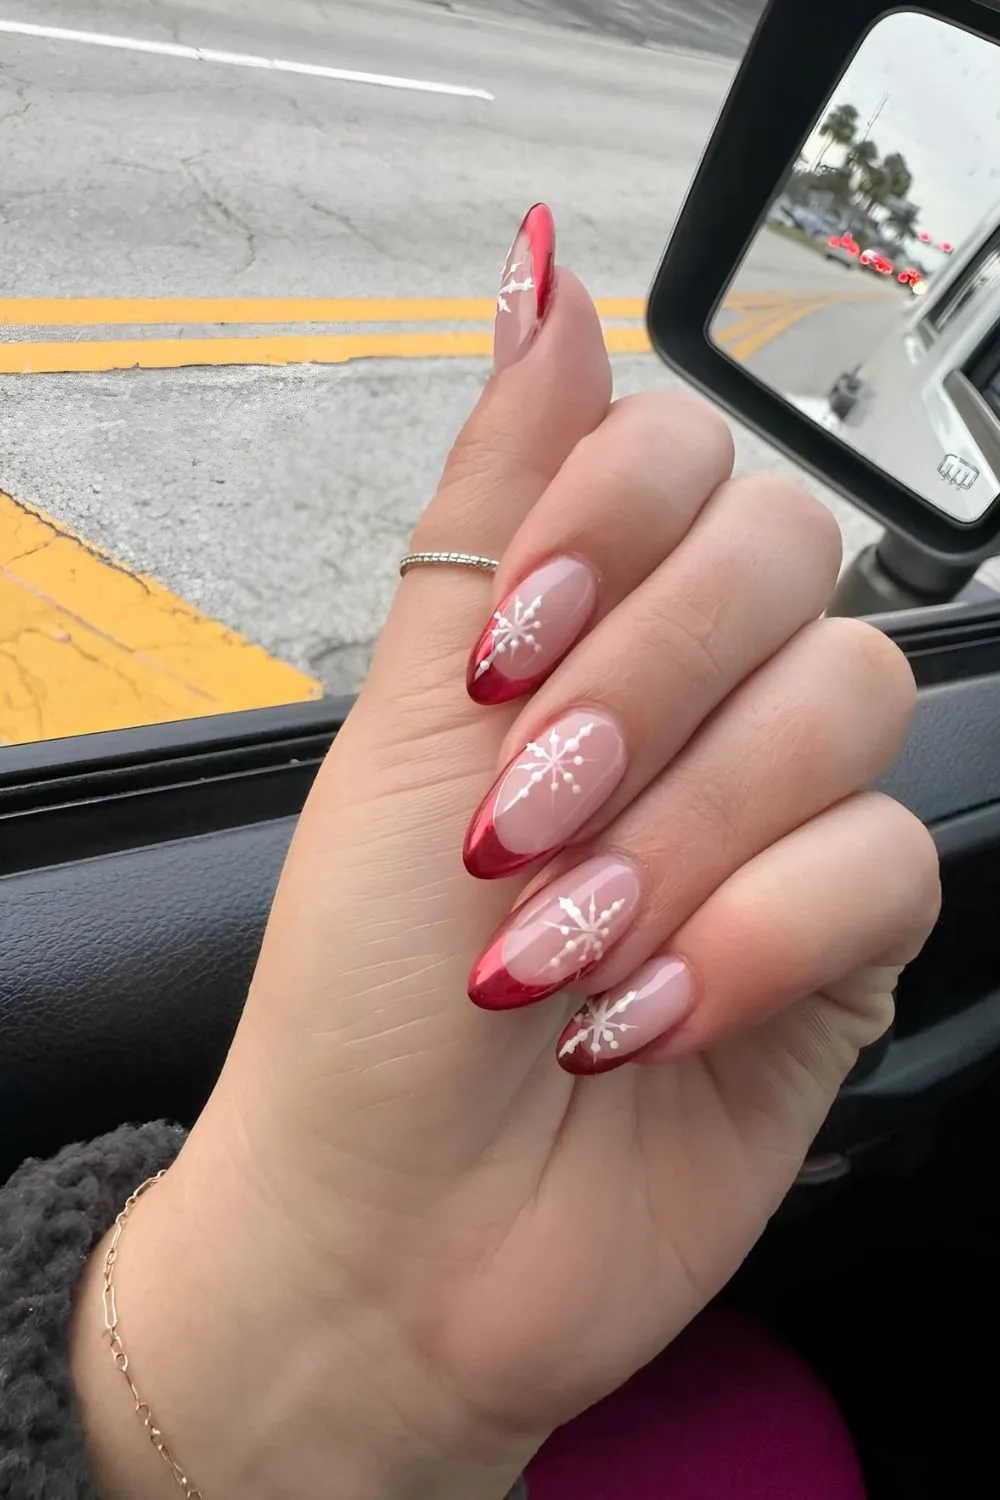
(793, 64)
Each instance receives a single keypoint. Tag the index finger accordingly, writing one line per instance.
(531, 416)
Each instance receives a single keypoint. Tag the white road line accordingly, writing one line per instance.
(237, 59)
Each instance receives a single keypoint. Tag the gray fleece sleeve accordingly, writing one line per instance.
(52, 1215)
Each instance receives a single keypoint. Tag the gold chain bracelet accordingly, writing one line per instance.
(118, 1348)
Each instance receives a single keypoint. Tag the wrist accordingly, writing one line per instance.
(260, 1392)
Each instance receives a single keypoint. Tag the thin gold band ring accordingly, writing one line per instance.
(447, 560)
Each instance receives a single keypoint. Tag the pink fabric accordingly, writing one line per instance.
(727, 1413)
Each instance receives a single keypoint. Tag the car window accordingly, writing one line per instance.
(248, 261)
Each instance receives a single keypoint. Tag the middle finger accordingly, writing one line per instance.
(757, 565)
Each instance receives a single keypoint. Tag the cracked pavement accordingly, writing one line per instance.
(279, 500)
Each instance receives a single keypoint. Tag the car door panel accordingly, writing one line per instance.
(124, 970)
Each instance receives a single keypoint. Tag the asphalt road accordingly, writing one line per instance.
(852, 311)
(277, 501)
(778, 262)
(721, 27)
(808, 357)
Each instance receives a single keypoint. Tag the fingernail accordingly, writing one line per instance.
(559, 936)
(611, 1028)
(545, 794)
(532, 630)
(525, 287)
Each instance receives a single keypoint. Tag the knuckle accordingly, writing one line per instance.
(656, 434)
(874, 1012)
(694, 635)
(713, 817)
(660, 410)
(876, 664)
(923, 864)
(789, 516)
(914, 856)
(786, 503)
(481, 448)
(686, 418)
(485, 465)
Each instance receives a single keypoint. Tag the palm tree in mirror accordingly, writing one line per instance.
(863, 160)
(863, 193)
(840, 128)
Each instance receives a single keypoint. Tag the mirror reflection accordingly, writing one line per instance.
(870, 297)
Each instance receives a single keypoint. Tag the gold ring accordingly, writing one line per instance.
(447, 560)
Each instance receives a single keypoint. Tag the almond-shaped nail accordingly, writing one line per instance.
(545, 794)
(559, 936)
(532, 630)
(525, 287)
(611, 1028)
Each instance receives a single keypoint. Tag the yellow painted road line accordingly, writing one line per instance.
(751, 321)
(285, 349)
(87, 646)
(282, 349)
(744, 301)
(98, 355)
(96, 312)
(742, 349)
(775, 311)
(765, 316)
(627, 341)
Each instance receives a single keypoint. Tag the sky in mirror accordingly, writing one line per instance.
(932, 92)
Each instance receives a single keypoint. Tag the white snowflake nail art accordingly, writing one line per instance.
(585, 935)
(549, 760)
(597, 1026)
(510, 284)
(512, 630)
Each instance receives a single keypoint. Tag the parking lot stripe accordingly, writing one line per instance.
(85, 645)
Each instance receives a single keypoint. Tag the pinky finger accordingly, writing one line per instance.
(827, 908)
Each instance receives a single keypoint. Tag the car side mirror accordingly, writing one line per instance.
(834, 277)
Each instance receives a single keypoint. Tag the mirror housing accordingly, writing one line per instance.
(792, 67)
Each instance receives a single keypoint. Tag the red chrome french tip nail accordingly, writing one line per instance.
(559, 936)
(525, 287)
(545, 794)
(612, 1029)
(532, 630)
(493, 987)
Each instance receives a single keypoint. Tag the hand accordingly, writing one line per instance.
(408, 1236)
